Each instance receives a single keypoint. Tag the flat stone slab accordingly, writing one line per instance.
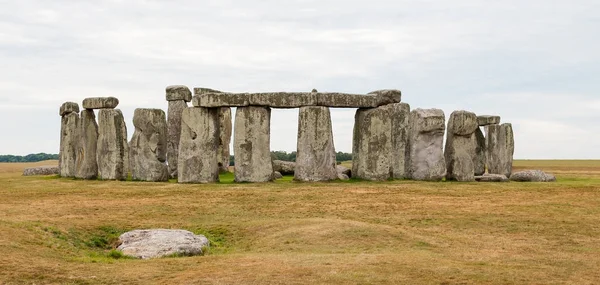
(532, 176)
(491, 178)
(284, 167)
(100, 103)
(178, 92)
(68, 108)
(146, 244)
(42, 170)
(215, 99)
(486, 120)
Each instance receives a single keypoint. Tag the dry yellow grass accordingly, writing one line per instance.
(398, 232)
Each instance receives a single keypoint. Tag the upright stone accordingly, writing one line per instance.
(148, 146)
(372, 144)
(198, 145)
(252, 144)
(225, 130)
(461, 146)
(69, 139)
(177, 96)
(500, 149)
(315, 159)
(426, 137)
(400, 114)
(87, 166)
(480, 158)
(113, 151)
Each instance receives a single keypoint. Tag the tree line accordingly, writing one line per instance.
(34, 157)
(291, 156)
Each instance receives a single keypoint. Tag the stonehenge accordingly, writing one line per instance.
(148, 146)
(192, 144)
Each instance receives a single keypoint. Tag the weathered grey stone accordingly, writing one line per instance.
(283, 99)
(100, 103)
(198, 146)
(480, 160)
(343, 170)
(252, 144)
(426, 135)
(113, 151)
(87, 166)
(148, 146)
(41, 171)
(284, 167)
(68, 107)
(532, 176)
(372, 144)
(69, 144)
(225, 132)
(342, 100)
(491, 178)
(400, 114)
(343, 177)
(461, 146)
(486, 120)
(146, 244)
(315, 160)
(387, 96)
(214, 100)
(500, 147)
(277, 175)
(174, 133)
(202, 90)
(178, 92)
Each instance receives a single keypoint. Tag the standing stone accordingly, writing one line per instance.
(480, 159)
(400, 114)
(113, 150)
(315, 159)
(425, 140)
(372, 144)
(69, 139)
(252, 144)
(198, 146)
(87, 166)
(500, 149)
(461, 146)
(177, 96)
(148, 146)
(225, 132)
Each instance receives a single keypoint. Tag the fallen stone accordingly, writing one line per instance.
(343, 170)
(69, 144)
(342, 100)
(178, 93)
(480, 160)
(68, 107)
(500, 147)
(214, 100)
(252, 134)
(41, 171)
(491, 178)
(100, 103)
(284, 167)
(277, 175)
(283, 99)
(174, 133)
(225, 132)
(532, 176)
(426, 136)
(146, 244)
(148, 146)
(486, 120)
(387, 96)
(343, 177)
(113, 151)
(199, 140)
(461, 146)
(372, 144)
(86, 164)
(315, 160)
(400, 114)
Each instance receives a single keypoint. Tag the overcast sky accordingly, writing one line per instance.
(535, 63)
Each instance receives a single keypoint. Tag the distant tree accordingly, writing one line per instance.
(28, 158)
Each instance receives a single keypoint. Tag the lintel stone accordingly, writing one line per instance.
(486, 120)
(68, 107)
(100, 103)
(178, 92)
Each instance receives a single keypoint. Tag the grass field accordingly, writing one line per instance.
(62, 231)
